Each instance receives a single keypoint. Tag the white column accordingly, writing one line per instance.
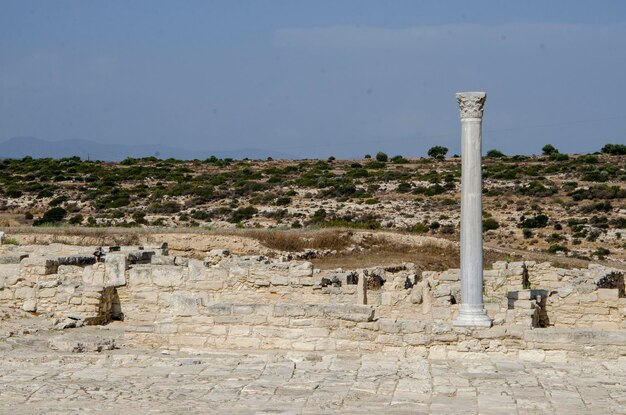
(471, 310)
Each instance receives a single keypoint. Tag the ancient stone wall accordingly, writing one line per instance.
(227, 301)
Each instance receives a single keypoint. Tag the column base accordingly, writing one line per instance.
(472, 316)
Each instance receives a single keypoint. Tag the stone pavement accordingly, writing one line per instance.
(138, 381)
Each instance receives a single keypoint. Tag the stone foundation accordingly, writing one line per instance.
(252, 302)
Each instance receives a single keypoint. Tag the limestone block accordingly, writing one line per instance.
(453, 274)
(24, 293)
(289, 310)
(491, 273)
(12, 258)
(389, 326)
(140, 256)
(349, 312)
(417, 293)
(605, 325)
(499, 265)
(167, 276)
(472, 345)
(412, 326)
(218, 309)
(6, 294)
(279, 280)
(48, 284)
(39, 265)
(440, 313)
(442, 290)
(162, 260)
(301, 269)
(146, 297)
(608, 293)
(259, 282)
(214, 256)
(387, 298)
(46, 293)
(181, 261)
(183, 304)
(532, 355)
(115, 266)
(91, 301)
(30, 305)
(206, 285)
(93, 275)
(437, 353)
(197, 270)
(140, 275)
(417, 339)
(326, 344)
(305, 282)
(10, 274)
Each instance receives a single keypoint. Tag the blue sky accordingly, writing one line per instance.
(314, 78)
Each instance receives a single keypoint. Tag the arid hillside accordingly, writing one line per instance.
(573, 204)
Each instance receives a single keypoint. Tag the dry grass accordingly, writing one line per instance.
(297, 241)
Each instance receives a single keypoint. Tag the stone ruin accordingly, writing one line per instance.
(532, 311)
(252, 302)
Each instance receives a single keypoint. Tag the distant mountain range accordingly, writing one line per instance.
(19, 147)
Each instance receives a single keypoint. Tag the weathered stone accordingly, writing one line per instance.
(441, 290)
(167, 276)
(12, 258)
(162, 260)
(30, 305)
(81, 344)
(115, 270)
(40, 265)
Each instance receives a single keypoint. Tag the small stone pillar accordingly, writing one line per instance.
(472, 312)
(361, 289)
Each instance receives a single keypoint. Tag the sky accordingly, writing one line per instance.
(314, 79)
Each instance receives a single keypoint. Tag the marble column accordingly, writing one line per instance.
(471, 310)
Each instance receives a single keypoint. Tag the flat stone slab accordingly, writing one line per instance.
(146, 381)
(12, 258)
(80, 344)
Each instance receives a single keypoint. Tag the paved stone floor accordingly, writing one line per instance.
(135, 382)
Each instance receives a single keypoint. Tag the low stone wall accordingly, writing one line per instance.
(252, 302)
(41, 285)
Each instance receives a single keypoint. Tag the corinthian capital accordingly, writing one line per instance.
(471, 104)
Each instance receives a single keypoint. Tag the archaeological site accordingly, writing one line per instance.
(216, 323)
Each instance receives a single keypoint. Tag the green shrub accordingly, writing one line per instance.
(242, 214)
(52, 216)
(76, 220)
(382, 157)
(418, 228)
(283, 201)
(614, 149)
(438, 152)
(57, 201)
(490, 224)
(495, 154)
(539, 221)
(375, 165)
(404, 187)
(601, 252)
(556, 248)
(549, 149)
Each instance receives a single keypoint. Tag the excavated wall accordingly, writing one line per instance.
(224, 301)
